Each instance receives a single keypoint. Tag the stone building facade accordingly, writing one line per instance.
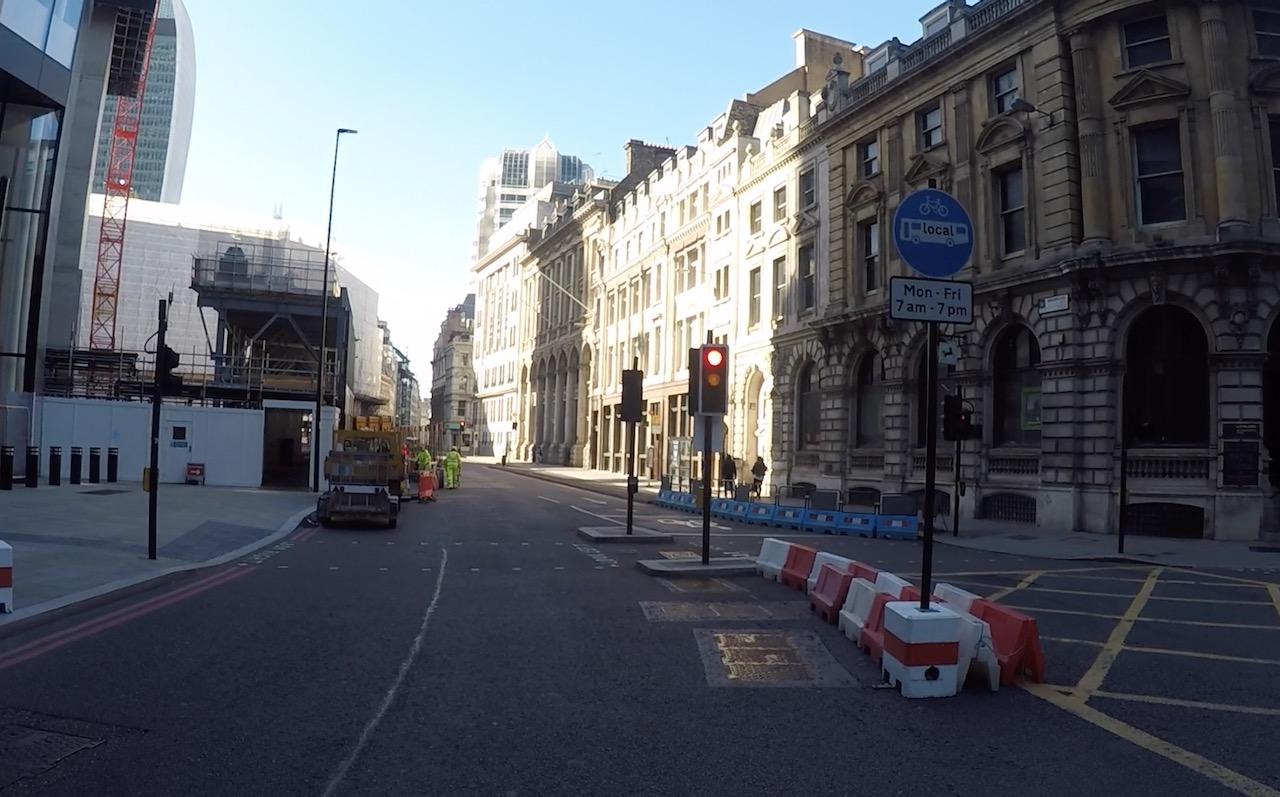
(1125, 267)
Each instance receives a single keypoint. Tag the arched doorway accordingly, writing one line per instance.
(807, 407)
(866, 421)
(1166, 385)
(1015, 372)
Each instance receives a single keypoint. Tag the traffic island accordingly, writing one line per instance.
(718, 566)
(619, 534)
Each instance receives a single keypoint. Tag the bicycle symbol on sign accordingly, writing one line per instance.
(933, 205)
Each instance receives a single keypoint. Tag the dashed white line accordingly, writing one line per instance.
(559, 567)
(594, 500)
(552, 500)
(333, 567)
(475, 570)
(515, 568)
(336, 780)
(282, 567)
(382, 569)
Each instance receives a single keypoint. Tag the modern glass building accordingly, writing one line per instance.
(168, 107)
(508, 180)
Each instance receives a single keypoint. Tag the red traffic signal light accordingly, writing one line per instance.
(713, 387)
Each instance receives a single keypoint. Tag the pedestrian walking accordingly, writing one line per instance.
(452, 468)
(758, 471)
(728, 475)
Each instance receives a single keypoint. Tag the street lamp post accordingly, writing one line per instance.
(324, 321)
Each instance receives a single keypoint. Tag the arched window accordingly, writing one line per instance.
(922, 386)
(807, 407)
(868, 403)
(1166, 384)
(1016, 388)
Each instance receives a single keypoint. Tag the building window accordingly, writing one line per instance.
(1157, 156)
(693, 206)
(808, 189)
(515, 169)
(869, 154)
(691, 269)
(779, 287)
(722, 283)
(753, 304)
(868, 404)
(1266, 24)
(805, 274)
(1016, 388)
(1004, 89)
(869, 251)
(1166, 384)
(1013, 211)
(756, 218)
(807, 408)
(1146, 41)
(930, 123)
(780, 203)
(1275, 157)
(462, 409)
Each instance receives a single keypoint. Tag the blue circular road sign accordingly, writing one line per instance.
(933, 233)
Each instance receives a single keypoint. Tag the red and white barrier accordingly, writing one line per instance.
(6, 577)
(891, 585)
(959, 599)
(830, 592)
(857, 608)
(795, 573)
(772, 558)
(921, 649)
(977, 653)
(840, 563)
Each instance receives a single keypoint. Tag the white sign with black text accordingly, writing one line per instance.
(944, 301)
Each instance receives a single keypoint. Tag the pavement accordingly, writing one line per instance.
(999, 537)
(75, 542)
(483, 648)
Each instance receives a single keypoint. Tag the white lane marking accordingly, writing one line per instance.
(333, 567)
(552, 500)
(282, 567)
(383, 569)
(595, 500)
(336, 780)
(475, 570)
(515, 568)
(593, 514)
(559, 567)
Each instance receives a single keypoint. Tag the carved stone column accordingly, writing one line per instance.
(1093, 155)
(1229, 165)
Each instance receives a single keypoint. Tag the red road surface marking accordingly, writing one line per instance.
(97, 625)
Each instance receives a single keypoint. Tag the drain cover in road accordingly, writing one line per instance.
(28, 751)
(768, 658)
(679, 554)
(681, 611)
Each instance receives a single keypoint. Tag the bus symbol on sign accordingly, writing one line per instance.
(919, 231)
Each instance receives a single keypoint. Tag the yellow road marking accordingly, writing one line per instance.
(1021, 572)
(1197, 763)
(1200, 623)
(1275, 596)
(1173, 701)
(1023, 584)
(1092, 680)
(1237, 579)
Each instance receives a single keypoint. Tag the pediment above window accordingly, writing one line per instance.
(779, 235)
(925, 167)
(1266, 80)
(1148, 87)
(1000, 132)
(802, 221)
(863, 193)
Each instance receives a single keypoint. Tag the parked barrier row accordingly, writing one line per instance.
(929, 654)
(798, 518)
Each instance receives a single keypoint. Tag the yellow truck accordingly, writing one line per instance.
(366, 472)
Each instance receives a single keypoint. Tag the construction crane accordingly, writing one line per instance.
(119, 182)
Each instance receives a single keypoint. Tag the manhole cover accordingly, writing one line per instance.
(103, 492)
(768, 658)
(26, 751)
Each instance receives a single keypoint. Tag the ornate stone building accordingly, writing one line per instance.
(1121, 161)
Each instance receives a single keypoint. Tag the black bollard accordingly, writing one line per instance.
(33, 466)
(6, 467)
(77, 463)
(95, 464)
(113, 464)
(55, 466)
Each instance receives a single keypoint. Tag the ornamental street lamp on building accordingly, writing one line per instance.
(324, 320)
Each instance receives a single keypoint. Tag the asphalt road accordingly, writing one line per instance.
(483, 648)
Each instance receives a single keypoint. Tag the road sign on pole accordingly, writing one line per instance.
(933, 233)
(934, 236)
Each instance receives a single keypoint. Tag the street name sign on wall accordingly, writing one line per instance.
(943, 301)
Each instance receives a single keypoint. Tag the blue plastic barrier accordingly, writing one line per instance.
(760, 514)
(789, 517)
(738, 510)
(896, 527)
(664, 498)
(863, 524)
(823, 520)
(720, 508)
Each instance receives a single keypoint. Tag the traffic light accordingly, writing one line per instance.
(166, 361)
(713, 379)
(957, 419)
(632, 396)
(695, 380)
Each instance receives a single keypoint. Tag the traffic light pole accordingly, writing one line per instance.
(930, 462)
(707, 421)
(157, 400)
(955, 512)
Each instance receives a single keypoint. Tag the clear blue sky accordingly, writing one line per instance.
(434, 87)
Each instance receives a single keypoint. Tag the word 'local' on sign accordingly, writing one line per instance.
(917, 299)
